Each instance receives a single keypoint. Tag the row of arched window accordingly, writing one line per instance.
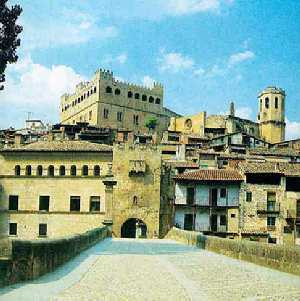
(80, 99)
(267, 103)
(134, 95)
(50, 170)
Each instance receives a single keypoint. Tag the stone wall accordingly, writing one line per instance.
(32, 258)
(283, 258)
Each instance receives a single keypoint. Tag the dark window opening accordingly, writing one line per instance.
(276, 102)
(12, 228)
(73, 170)
(28, 170)
(39, 170)
(85, 170)
(13, 202)
(62, 170)
(144, 97)
(151, 99)
(95, 203)
(96, 170)
(119, 116)
(293, 184)
(137, 96)
(157, 101)
(248, 196)
(129, 94)
(108, 90)
(74, 203)
(223, 220)
(44, 203)
(117, 92)
(271, 221)
(190, 195)
(232, 215)
(267, 103)
(223, 193)
(263, 179)
(51, 171)
(272, 240)
(95, 89)
(42, 229)
(105, 113)
(136, 119)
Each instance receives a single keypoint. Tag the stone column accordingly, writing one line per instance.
(109, 183)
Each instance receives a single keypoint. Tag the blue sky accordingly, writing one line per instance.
(205, 52)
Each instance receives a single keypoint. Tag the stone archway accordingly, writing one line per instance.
(134, 228)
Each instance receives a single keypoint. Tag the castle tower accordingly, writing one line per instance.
(271, 115)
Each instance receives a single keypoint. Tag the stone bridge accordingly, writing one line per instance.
(130, 269)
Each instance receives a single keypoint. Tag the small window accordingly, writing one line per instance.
(276, 102)
(13, 202)
(51, 171)
(119, 116)
(129, 94)
(73, 170)
(267, 103)
(108, 90)
(223, 220)
(74, 203)
(85, 170)
(90, 115)
(135, 200)
(144, 97)
(39, 170)
(232, 215)
(62, 170)
(105, 113)
(17, 170)
(91, 91)
(81, 97)
(13, 228)
(95, 89)
(223, 193)
(248, 196)
(117, 92)
(95, 203)
(96, 170)
(151, 99)
(28, 170)
(190, 195)
(136, 119)
(42, 229)
(44, 203)
(271, 221)
(137, 96)
(260, 104)
(88, 93)
(157, 101)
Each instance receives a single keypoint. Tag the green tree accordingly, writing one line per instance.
(151, 123)
(9, 40)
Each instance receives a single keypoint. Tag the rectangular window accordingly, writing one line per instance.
(42, 229)
(105, 113)
(13, 202)
(271, 201)
(190, 195)
(95, 203)
(75, 203)
(119, 116)
(248, 196)
(13, 228)
(271, 220)
(44, 203)
(223, 193)
(136, 119)
(90, 115)
(223, 220)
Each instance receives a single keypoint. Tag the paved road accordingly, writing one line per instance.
(120, 269)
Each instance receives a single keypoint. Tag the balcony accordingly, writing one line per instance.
(265, 208)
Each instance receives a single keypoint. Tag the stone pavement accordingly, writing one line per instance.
(124, 269)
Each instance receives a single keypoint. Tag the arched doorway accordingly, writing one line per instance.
(134, 228)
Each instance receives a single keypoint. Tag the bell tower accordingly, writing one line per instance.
(271, 115)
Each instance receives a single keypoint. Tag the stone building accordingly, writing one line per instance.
(52, 189)
(107, 102)
(208, 201)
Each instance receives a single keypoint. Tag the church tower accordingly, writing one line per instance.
(271, 115)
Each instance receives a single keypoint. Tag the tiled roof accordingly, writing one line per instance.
(61, 146)
(211, 175)
(274, 152)
(285, 168)
(185, 164)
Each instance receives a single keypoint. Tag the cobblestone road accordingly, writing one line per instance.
(121, 269)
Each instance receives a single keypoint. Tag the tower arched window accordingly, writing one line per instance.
(137, 96)
(276, 102)
(267, 103)
(96, 170)
(260, 104)
(151, 99)
(28, 170)
(62, 170)
(73, 170)
(157, 101)
(144, 97)
(85, 170)
(39, 170)
(108, 89)
(17, 170)
(129, 94)
(51, 171)
(95, 89)
(117, 92)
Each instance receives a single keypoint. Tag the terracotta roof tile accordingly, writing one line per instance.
(211, 175)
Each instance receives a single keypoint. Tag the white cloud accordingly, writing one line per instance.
(244, 112)
(120, 59)
(240, 57)
(148, 81)
(199, 72)
(36, 88)
(175, 62)
(292, 130)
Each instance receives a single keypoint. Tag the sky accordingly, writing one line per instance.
(206, 53)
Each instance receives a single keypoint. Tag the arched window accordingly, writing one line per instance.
(108, 89)
(95, 89)
(157, 101)
(17, 170)
(91, 91)
(85, 170)
(137, 96)
(129, 94)
(267, 103)
(88, 93)
(276, 102)
(117, 92)
(28, 170)
(39, 170)
(144, 97)
(62, 170)
(73, 170)
(81, 98)
(151, 99)
(51, 171)
(96, 170)
(135, 200)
